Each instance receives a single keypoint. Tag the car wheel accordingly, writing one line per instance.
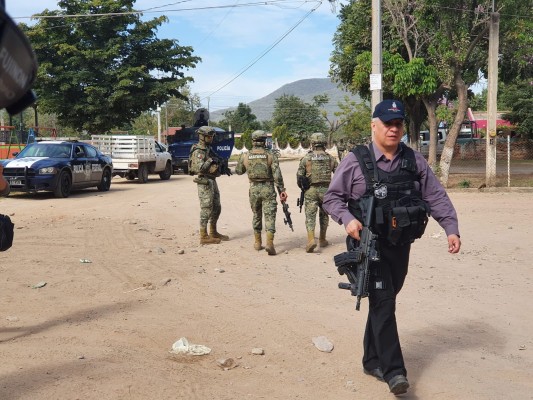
(143, 173)
(167, 173)
(186, 169)
(64, 185)
(130, 176)
(105, 183)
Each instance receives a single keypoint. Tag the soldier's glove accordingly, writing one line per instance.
(209, 166)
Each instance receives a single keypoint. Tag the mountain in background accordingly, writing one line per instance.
(305, 89)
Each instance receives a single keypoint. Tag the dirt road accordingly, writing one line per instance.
(103, 330)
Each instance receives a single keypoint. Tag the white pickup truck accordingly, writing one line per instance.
(135, 156)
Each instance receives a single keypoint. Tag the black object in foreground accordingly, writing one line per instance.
(355, 263)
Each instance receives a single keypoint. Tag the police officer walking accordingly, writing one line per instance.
(263, 170)
(206, 164)
(404, 190)
(313, 177)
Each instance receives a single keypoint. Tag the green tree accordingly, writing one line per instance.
(284, 137)
(301, 119)
(520, 95)
(355, 121)
(478, 102)
(178, 111)
(97, 73)
(405, 74)
(449, 35)
(144, 124)
(240, 120)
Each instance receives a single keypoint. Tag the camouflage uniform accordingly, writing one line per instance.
(263, 170)
(203, 162)
(341, 149)
(313, 176)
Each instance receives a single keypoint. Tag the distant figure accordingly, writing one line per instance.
(204, 163)
(313, 177)
(263, 170)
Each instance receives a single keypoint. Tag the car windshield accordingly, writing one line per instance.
(58, 150)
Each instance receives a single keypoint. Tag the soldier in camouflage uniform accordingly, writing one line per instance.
(313, 176)
(205, 163)
(263, 171)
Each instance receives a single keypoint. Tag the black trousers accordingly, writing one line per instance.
(381, 342)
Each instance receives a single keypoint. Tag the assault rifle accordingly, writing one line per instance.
(304, 185)
(223, 167)
(300, 201)
(287, 219)
(222, 163)
(355, 263)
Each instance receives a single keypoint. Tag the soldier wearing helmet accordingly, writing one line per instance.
(264, 174)
(205, 163)
(313, 177)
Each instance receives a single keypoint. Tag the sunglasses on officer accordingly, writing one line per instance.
(396, 123)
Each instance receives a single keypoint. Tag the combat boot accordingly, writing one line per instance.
(213, 233)
(257, 244)
(311, 243)
(206, 239)
(322, 238)
(270, 244)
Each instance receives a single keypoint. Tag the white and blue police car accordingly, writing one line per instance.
(58, 167)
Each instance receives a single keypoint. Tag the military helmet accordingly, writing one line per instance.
(318, 138)
(259, 136)
(206, 131)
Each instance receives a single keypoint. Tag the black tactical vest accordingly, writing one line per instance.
(400, 214)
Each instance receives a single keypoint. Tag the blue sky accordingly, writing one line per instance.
(231, 35)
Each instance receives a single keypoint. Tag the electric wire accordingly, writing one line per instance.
(157, 10)
(264, 53)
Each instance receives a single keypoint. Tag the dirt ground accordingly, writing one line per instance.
(104, 329)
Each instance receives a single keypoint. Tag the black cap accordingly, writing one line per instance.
(388, 110)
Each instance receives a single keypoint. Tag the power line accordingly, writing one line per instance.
(158, 10)
(264, 53)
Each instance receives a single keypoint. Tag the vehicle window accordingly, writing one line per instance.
(219, 137)
(90, 151)
(60, 151)
(79, 151)
(46, 150)
(182, 136)
(158, 148)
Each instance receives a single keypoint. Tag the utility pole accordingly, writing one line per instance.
(377, 69)
(492, 97)
(158, 124)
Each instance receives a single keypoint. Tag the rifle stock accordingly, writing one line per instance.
(355, 263)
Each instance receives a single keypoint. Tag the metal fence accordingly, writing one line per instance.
(14, 137)
(514, 164)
